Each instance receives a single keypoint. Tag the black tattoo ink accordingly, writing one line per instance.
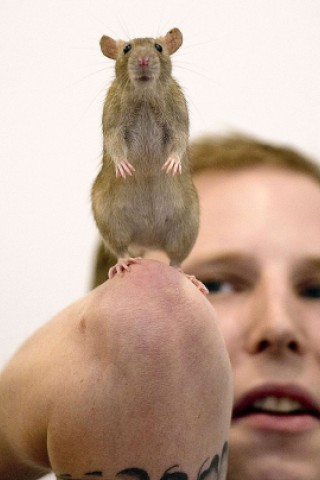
(212, 471)
(135, 472)
(174, 475)
(223, 466)
(68, 476)
(218, 467)
(216, 470)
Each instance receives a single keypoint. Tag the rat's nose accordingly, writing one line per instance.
(143, 61)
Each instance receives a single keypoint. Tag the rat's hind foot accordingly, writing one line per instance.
(200, 286)
(124, 168)
(122, 266)
(173, 165)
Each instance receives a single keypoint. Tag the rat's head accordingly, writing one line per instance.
(143, 60)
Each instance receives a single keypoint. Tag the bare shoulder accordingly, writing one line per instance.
(27, 390)
(54, 370)
(153, 372)
(115, 382)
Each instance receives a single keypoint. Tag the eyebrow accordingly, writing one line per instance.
(227, 259)
(306, 266)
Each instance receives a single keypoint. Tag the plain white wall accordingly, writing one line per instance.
(245, 65)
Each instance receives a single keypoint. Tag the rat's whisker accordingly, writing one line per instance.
(85, 78)
(99, 64)
(199, 44)
(123, 26)
(211, 80)
(102, 90)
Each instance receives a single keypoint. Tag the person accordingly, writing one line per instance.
(132, 381)
(258, 253)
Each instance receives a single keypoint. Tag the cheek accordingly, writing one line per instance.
(230, 325)
(312, 327)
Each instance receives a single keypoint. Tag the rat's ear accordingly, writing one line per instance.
(173, 40)
(109, 47)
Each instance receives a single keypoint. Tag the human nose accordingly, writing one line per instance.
(273, 321)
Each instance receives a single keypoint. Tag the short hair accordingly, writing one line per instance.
(225, 153)
(238, 152)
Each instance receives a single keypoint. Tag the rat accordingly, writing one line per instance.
(143, 197)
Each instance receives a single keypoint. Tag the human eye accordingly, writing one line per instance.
(225, 286)
(310, 290)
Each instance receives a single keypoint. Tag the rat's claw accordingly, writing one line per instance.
(122, 266)
(173, 165)
(123, 168)
(200, 286)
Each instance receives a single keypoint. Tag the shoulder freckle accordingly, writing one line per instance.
(82, 325)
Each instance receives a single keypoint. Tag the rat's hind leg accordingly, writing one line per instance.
(126, 257)
(179, 245)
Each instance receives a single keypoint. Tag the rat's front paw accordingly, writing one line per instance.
(124, 168)
(173, 164)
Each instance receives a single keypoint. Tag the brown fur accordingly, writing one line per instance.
(145, 122)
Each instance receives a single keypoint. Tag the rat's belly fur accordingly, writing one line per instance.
(150, 213)
(150, 209)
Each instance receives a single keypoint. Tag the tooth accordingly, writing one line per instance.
(275, 404)
(271, 404)
(287, 405)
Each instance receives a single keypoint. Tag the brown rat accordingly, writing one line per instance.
(144, 198)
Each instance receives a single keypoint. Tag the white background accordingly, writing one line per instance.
(246, 65)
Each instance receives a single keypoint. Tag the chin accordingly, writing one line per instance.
(271, 462)
(269, 469)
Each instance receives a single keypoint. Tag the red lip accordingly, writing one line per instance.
(243, 407)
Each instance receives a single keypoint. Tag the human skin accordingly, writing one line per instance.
(129, 382)
(258, 251)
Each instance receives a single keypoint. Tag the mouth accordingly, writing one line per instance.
(143, 75)
(144, 78)
(276, 407)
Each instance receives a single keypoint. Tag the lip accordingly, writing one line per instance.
(278, 422)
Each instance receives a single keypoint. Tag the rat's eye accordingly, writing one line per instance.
(127, 48)
(158, 47)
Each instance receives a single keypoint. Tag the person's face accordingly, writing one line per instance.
(258, 251)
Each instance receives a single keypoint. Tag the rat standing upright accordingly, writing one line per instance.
(144, 198)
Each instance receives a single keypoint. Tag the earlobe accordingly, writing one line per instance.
(173, 40)
(109, 47)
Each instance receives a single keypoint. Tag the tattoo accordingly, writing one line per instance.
(174, 475)
(68, 476)
(135, 472)
(216, 470)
